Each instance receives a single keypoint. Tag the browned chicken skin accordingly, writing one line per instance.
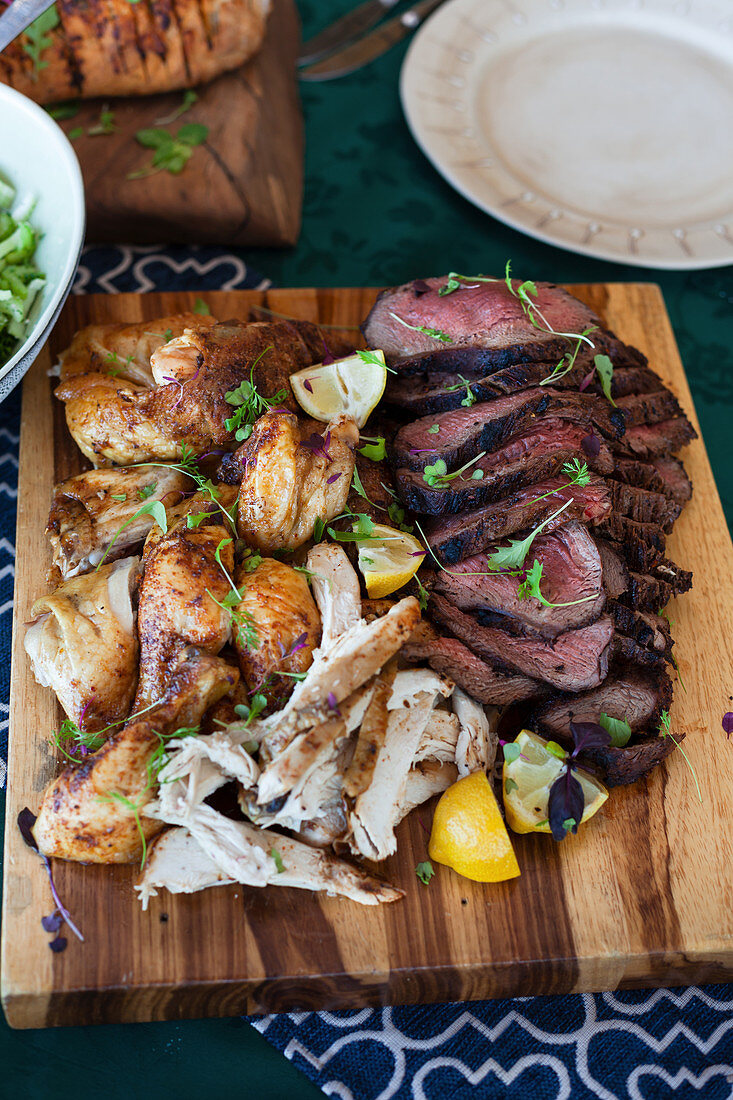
(94, 811)
(177, 607)
(290, 482)
(283, 613)
(118, 421)
(114, 47)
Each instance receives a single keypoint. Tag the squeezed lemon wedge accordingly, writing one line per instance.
(388, 559)
(352, 386)
(469, 834)
(526, 784)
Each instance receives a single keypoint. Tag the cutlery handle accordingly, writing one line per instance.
(19, 15)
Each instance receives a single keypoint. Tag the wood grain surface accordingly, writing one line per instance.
(242, 186)
(643, 896)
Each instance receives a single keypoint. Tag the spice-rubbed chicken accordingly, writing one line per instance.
(114, 47)
(115, 420)
(290, 481)
(286, 628)
(83, 644)
(94, 811)
(91, 510)
(178, 603)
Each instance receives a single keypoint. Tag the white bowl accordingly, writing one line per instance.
(38, 161)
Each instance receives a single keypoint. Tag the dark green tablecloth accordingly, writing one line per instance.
(375, 212)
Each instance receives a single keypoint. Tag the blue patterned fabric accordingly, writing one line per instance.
(661, 1045)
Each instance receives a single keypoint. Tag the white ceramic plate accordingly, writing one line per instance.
(39, 162)
(601, 126)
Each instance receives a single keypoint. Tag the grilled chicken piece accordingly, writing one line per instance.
(439, 738)
(121, 421)
(377, 810)
(335, 673)
(94, 812)
(336, 590)
(198, 766)
(177, 863)
(290, 481)
(424, 780)
(88, 511)
(83, 644)
(193, 506)
(285, 626)
(245, 854)
(125, 351)
(177, 606)
(478, 739)
(371, 734)
(115, 48)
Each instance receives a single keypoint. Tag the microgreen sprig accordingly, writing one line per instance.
(567, 362)
(530, 586)
(577, 473)
(666, 731)
(155, 508)
(249, 403)
(37, 38)
(437, 476)
(172, 154)
(433, 333)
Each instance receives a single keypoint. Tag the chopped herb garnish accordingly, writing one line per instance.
(422, 594)
(425, 872)
(189, 98)
(250, 404)
(106, 124)
(37, 38)
(201, 308)
(577, 473)
(278, 860)
(618, 728)
(567, 362)
(433, 333)
(437, 476)
(119, 496)
(147, 490)
(433, 429)
(62, 111)
(172, 154)
(375, 448)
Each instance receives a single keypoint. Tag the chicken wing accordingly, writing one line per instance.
(278, 603)
(290, 482)
(118, 420)
(90, 510)
(94, 811)
(178, 606)
(83, 644)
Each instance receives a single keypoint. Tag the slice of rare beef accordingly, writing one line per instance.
(453, 538)
(619, 767)
(538, 452)
(615, 571)
(643, 506)
(656, 440)
(571, 572)
(574, 661)
(631, 694)
(481, 325)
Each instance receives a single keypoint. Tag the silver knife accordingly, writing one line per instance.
(18, 16)
(345, 30)
(371, 46)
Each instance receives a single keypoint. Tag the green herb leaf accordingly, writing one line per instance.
(422, 594)
(512, 752)
(106, 124)
(510, 786)
(375, 450)
(278, 860)
(62, 111)
(604, 369)
(119, 496)
(434, 333)
(201, 308)
(434, 429)
(37, 38)
(155, 508)
(147, 490)
(618, 728)
(512, 556)
(425, 872)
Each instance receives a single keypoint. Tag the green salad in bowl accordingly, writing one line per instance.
(21, 280)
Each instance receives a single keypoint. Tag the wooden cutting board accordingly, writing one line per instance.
(243, 186)
(643, 896)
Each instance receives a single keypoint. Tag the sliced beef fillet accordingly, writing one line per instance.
(630, 533)
(439, 391)
(615, 572)
(649, 408)
(635, 695)
(536, 453)
(646, 592)
(660, 475)
(644, 627)
(643, 506)
(620, 767)
(485, 325)
(574, 661)
(463, 433)
(627, 650)
(449, 657)
(656, 440)
(454, 538)
(571, 571)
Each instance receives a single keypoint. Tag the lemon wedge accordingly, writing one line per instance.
(526, 784)
(352, 386)
(388, 559)
(469, 833)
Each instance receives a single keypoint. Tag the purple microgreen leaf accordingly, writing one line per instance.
(566, 801)
(728, 724)
(318, 444)
(333, 478)
(60, 905)
(588, 735)
(26, 821)
(298, 644)
(418, 553)
(52, 922)
(307, 385)
(327, 357)
(333, 703)
(59, 944)
(587, 380)
(591, 445)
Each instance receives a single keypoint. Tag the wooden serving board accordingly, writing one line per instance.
(242, 186)
(643, 896)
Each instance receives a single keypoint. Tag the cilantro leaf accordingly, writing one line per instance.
(425, 872)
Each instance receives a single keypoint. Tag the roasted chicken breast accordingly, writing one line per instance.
(289, 481)
(83, 644)
(118, 48)
(116, 420)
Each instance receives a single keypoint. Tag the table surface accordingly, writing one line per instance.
(375, 212)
